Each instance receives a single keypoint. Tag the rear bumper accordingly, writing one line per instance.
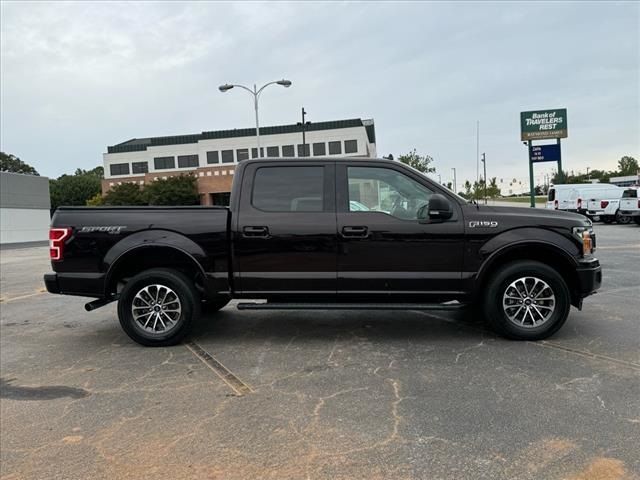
(80, 284)
(589, 276)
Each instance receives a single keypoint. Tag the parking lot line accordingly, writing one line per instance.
(223, 372)
(584, 353)
(20, 297)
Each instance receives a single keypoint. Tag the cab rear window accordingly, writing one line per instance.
(631, 193)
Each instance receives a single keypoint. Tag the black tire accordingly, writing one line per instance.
(503, 280)
(608, 219)
(637, 219)
(215, 304)
(187, 302)
(622, 219)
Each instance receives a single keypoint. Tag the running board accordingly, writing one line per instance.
(350, 306)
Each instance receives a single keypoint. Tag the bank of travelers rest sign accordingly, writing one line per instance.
(542, 124)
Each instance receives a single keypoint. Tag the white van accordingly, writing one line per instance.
(630, 204)
(573, 197)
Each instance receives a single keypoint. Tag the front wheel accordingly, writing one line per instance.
(527, 300)
(158, 307)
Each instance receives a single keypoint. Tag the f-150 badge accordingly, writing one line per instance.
(483, 224)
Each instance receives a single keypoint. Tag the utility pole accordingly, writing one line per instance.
(484, 162)
(454, 180)
(478, 151)
(304, 125)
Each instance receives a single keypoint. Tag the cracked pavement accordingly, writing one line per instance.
(330, 395)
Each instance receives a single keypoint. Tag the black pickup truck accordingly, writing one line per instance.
(320, 233)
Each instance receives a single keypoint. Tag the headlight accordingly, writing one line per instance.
(586, 237)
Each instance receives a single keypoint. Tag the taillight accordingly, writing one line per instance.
(579, 203)
(57, 237)
(555, 204)
(603, 204)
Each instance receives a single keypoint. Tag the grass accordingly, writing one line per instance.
(539, 198)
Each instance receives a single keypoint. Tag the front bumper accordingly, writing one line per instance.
(589, 276)
(80, 284)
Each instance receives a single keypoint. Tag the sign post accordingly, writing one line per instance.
(543, 125)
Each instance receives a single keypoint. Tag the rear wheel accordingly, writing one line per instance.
(158, 307)
(637, 219)
(527, 300)
(607, 218)
(622, 219)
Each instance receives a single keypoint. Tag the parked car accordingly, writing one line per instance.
(574, 197)
(291, 239)
(603, 204)
(630, 204)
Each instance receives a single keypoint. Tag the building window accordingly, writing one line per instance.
(254, 152)
(273, 151)
(119, 169)
(350, 146)
(140, 167)
(303, 150)
(227, 156)
(162, 163)
(212, 157)
(319, 149)
(186, 161)
(335, 148)
(242, 154)
(289, 189)
(288, 151)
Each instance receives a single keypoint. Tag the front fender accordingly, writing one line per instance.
(531, 240)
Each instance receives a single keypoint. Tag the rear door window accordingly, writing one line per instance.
(289, 189)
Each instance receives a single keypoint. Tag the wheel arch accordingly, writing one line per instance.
(137, 259)
(543, 252)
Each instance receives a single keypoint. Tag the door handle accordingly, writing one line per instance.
(355, 232)
(255, 232)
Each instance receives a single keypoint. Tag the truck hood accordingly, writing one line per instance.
(510, 217)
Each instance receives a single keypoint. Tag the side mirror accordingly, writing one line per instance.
(438, 208)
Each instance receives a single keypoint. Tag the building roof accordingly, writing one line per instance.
(141, 144)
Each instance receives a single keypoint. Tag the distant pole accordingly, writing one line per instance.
(477, 151)
(303, 125)
(439, 179)
(484, 162)
(454, 179)
(588, 176)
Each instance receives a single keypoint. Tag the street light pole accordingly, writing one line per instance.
(304, 125)
(484, 163)
(256, 95)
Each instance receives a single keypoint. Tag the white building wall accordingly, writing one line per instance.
(203, 146)
(24, 225)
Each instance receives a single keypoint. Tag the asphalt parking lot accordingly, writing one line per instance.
(320, 395)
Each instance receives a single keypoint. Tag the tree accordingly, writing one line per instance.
(178, 190)
(11, 163)
(97, 172)
(96, 201)
(419, 162)
(493, 191)
(73, 189)
(127, 193)
(628, 166)
(467, 189)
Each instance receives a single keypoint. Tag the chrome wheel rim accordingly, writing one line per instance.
(528, 302)
(156, 309)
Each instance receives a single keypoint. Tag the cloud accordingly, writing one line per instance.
(77, 77)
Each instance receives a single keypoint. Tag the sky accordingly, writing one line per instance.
(77, 77)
